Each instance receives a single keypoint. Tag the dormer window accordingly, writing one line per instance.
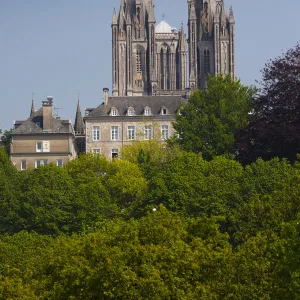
(114, 112)
(130, 111)
(147, 111)
(164, 111)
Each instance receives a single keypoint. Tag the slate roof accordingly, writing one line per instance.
(156, 103)
(34, 125)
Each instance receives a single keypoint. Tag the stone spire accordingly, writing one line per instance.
(32, 111)
(151, 18)
(231, 16)
(182, 40)
(223, 14)
(114, 19)
(79, 125)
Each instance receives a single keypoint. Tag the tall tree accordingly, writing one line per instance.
(275, 126)
(210, 120)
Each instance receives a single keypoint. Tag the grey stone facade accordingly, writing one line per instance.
(120, 121)
(211, 40)
(147, 59)
(150, 59)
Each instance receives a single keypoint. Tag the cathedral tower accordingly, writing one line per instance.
(211, 40)
(147, 59)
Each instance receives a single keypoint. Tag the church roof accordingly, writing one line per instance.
(164, 27)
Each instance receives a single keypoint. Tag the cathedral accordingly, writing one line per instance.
(158, 59)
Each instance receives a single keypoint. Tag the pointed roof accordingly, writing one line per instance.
(79, 125)
(164, 27)
(115, 19)
(182, 40)
(231, 16)
(32, 109)
(223, 13)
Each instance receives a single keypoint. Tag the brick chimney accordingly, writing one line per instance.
(47, 114)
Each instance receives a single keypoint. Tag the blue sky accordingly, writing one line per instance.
(62, 47)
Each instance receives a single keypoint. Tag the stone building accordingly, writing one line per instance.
(121, 120)
(149, 68)
(42, 139)
(150, 59)
(211, 39)
(146, 59)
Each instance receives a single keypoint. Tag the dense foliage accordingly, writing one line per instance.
(192, 229)
(177, 221)
(210, 120)
(274, 130)
(5, 139)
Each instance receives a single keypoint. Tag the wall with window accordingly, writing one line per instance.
(29, 152)
(42, 143)
(114, 135)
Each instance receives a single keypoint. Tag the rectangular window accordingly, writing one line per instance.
(39, 147)
(96, 151)
(148, 132)
(131, 132)
(43, 147)
(23, 165)
(147, 111)
(114, 133)
(60, 163)
(164, 132)
(114, 153)
(41, 162)
(96, 133)
(46, 146)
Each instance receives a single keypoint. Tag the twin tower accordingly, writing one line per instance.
(157, 59)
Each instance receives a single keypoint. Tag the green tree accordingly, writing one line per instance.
(210, 120)
(6, 139)
(126, 184)
(274, 129)
(153, 258)
(10, 219)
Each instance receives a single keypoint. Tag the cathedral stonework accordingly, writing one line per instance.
(211, 40)
(151, 59)
(148, 59)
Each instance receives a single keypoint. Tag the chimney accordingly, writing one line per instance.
(105, 95)
(47, 114)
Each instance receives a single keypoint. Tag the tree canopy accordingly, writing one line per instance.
(274, 129)
(211, 118)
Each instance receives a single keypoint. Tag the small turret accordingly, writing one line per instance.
(223, 14)
(182, 40)
(114, 19)
(231, 16)
(79, 125)
(32, 111)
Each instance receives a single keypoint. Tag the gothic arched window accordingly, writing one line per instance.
(206, 62)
